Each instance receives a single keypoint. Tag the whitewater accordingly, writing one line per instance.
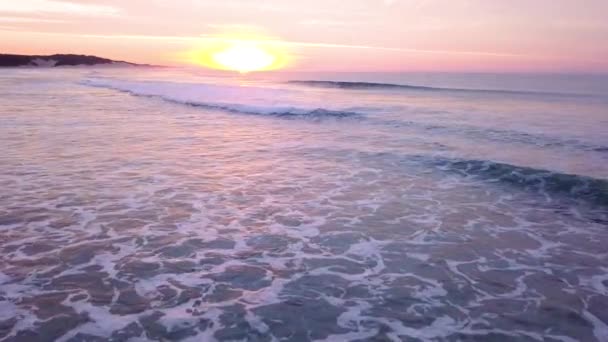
(169, 204)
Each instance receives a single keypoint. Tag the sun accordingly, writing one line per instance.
(244, 57)
(241, 55)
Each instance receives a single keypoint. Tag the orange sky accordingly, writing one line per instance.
(330, 35)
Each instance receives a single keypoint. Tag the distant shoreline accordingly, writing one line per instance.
(57, 60)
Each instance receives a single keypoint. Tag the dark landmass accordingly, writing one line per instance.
(10, 60)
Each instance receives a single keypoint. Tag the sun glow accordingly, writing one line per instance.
(244, 58)
(242, 55)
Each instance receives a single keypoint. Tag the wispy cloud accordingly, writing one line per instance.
(209, 37)
(232, 26)
(246, 28)
(29, 20)
(57, 7)
(325, 23)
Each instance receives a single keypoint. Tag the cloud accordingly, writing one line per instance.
(58, 7)
(235, 27)
(326, 23)
(211, 37)
(29, 20)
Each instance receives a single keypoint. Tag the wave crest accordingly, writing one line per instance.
(233, 99)
(359, 85)
(575, 186)
(497, 134)
(282, 112)
(393, 86)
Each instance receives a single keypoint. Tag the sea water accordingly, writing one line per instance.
(167, 204)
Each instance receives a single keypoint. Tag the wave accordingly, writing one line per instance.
(393, 86)
(552, 184)
(538, 180)
(282, 112)
(497, 135)
(288, 104)
(359, 85)
(233, 99)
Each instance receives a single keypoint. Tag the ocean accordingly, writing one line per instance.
(169, 204)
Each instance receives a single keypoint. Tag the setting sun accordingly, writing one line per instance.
(241, 55)
(244, 57)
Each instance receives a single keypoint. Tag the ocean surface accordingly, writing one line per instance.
(166, 204)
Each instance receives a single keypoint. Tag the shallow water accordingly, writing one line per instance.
(158, 205)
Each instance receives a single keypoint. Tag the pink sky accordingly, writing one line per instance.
(331, 35)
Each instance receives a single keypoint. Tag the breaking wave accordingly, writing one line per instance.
(590, 189)
(233, 99)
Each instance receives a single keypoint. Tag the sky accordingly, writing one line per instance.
(325, 35)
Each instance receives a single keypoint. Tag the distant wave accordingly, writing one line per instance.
(373, 85)
(575, 186)
(359, 85)
(498, 135)
(224, 98)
